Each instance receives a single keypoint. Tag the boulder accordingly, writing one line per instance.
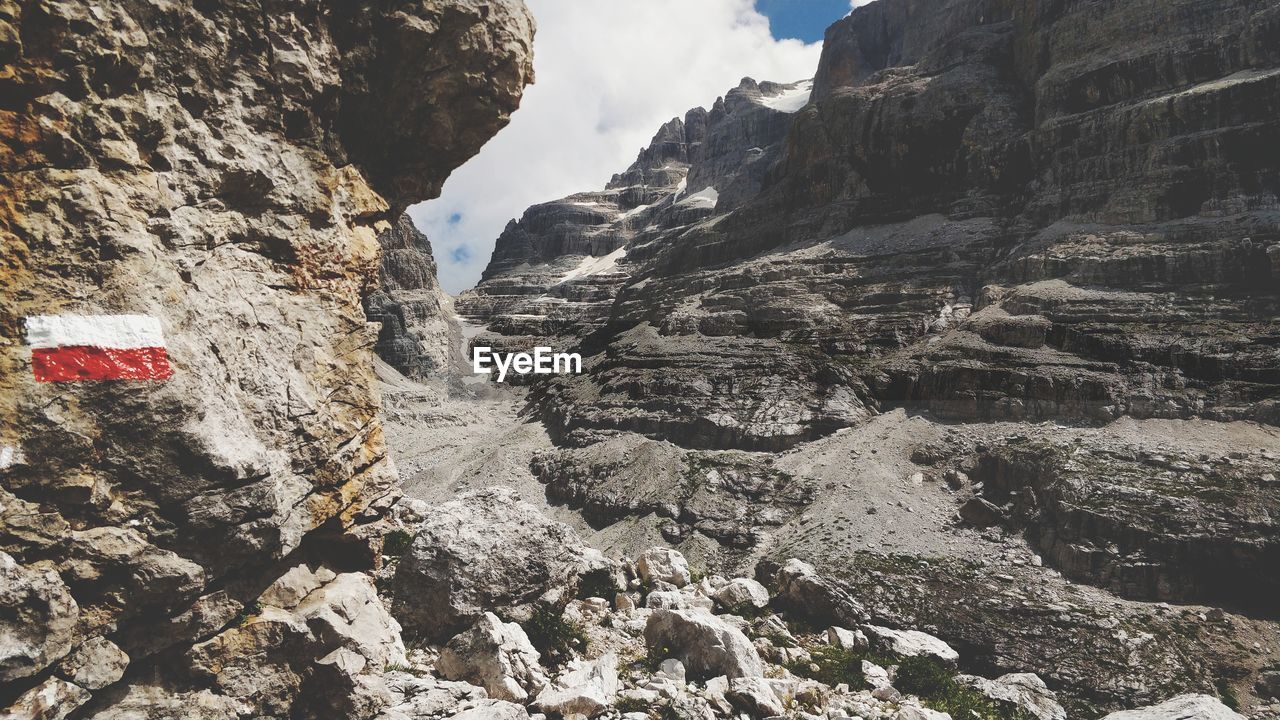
(846, 639)
(1268, 684)
(53, 699)
(741, 593)
(707, 645)
(915, 712)
(414, 696)
(755, 696)
(290, 588)
(667, 600)
(691, 707)
(980, 512)
(801, 589)
(492, 710)
(663, 564)
(585, 688)
(97, 663)
(1183, 707)
(1020, 691)
(496, 656)
(326, 655)
(910, 643)
(876, 676)
(486, 551)
(673, 670)
(347, 612)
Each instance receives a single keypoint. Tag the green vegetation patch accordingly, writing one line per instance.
(931, 681)
(396, 543)
(833, 665)
(553, 637)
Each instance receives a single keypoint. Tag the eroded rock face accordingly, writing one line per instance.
(731, 498)
(1148, 522)
(225, 172)
(419, 335)
(555, 271)
(938, 233)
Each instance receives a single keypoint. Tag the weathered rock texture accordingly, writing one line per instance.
(225, 168)
(419, 335)
(728, 498)
(1151, 525)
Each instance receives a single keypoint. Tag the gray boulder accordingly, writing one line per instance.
(663, 564)
(584, 689)
(97, 663)
(1024, 691)
(910, 643)
(1183, 707)
(496, 656)
(486, 551)
(800, 588)
(53, 699)
(756, 696)
(707, 645)
(741, 593)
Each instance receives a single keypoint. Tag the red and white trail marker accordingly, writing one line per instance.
(70, 348)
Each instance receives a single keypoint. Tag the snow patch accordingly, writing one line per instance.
(633, 211)
(684, 183)
(790, 100)
(592, 265)
(706, 195)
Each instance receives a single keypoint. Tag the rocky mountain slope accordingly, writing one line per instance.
(192, 196)
(990, 336)
(555, 272)
(522, 620)
(418, 334)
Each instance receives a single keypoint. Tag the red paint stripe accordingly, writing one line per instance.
(71, 363)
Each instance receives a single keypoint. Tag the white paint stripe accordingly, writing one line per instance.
(109, 331)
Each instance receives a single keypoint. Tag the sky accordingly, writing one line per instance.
(608, 74)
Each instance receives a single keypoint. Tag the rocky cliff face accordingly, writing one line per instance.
(556, 271)
(991, 214)
(419, 335)
(219, 174)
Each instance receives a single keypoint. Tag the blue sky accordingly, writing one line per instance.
(608, 75)
(805, 20)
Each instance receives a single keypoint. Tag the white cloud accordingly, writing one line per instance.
(608, 74)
